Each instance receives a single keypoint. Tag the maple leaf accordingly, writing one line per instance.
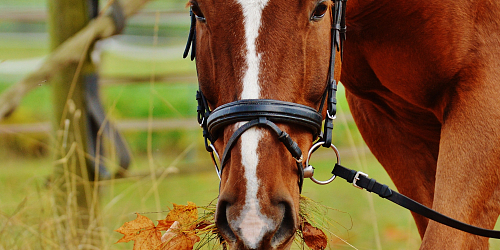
(142, 231)
(185, 215)
(314, 237)
(180, 224)
(164, 225)
(174, 238)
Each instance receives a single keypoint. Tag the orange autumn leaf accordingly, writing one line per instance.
(314, 237)
(174, 238)
(164, 225)
(182, 241)
(180, 225)
(185, 215)
(142, 231)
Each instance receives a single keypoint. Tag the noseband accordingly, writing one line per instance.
(265, 112)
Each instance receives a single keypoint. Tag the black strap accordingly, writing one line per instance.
(371, 185)
(330, 115)
(273, 110)
(191, 41)
(203, 113)
(283, 137)
(337, 37)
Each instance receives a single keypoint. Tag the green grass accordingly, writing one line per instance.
(116, 65)
(24, 190)
(169, 100)
(350, 219)
(22, 47)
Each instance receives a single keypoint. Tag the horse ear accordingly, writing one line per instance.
(191, 42)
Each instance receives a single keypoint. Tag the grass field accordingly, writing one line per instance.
(351, 218)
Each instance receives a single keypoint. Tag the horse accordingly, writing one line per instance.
(422, 83)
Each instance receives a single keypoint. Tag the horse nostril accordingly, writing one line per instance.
(222, 223)
(250, 229)
(287, 227)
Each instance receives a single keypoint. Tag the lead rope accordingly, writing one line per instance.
(361, 180)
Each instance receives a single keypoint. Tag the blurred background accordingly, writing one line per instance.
(147, 93)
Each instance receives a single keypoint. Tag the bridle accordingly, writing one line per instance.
(266, 112)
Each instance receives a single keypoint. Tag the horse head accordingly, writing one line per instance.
(250, 50)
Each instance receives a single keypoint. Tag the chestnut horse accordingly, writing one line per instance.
(422, 80)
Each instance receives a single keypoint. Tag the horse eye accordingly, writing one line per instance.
(197, 12)
(319, 12)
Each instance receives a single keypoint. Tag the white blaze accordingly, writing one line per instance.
(252, 13)
(252, 223)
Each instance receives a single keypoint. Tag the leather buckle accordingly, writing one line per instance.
(356, 178)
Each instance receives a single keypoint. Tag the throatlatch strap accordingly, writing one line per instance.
(331, 110)
(337, 37)
(203, 113)
(371, 185)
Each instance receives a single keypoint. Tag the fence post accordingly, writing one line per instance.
(76, 198)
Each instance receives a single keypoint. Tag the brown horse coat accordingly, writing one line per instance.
(422, 80)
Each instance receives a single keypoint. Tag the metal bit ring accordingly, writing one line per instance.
(313, 148)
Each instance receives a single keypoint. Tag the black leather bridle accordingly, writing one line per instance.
(264, 112)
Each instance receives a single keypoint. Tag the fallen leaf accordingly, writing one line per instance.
(182, 241)
(185, 215)
(164, 225)
(174, 238)
(314, 237)
(180, 224)
(142, 231)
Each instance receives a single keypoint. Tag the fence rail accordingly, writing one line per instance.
(128, 125)
(164, 78)
(40, 15)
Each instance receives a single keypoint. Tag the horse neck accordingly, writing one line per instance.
(369, 14)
